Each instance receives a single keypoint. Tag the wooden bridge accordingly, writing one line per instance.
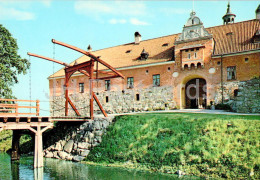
(12, 119)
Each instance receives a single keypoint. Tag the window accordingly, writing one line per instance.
(156, 80)
(231, 73)
(130, 82)
(235, 92)
(246, 59)
(137, 97)
(189, 56)
(81, 87)
(219, 62)
(186, 50)
(192, 49)
(128, 51)
(107, 100)
(169, 68)
(146, 71)
(197, 49)
(165, 44)
(107, 85)
(195, 55)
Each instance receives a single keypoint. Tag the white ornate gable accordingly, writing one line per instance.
(193, 29)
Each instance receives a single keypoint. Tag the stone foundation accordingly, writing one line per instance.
(248, 97)
(154, 98)
(77, 144)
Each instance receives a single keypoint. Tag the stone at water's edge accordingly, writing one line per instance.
(78, 158)
(77, 145)
(68, 146)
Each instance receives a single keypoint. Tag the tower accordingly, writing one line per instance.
(257, 12)
(229, 17)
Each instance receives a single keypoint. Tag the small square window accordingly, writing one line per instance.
(169, 68)
(156, 80)
(107, 85)
(146, 71)
(218, 62)
(186, 50)
(192, 49)
(246, 59)
(197, 49)
(81, 87)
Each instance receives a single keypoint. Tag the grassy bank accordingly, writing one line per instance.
(199, 144)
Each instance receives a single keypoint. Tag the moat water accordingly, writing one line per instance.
(58, 169)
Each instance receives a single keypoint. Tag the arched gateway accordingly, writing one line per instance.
(196, 93)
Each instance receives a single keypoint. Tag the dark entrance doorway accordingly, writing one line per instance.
(196, 94)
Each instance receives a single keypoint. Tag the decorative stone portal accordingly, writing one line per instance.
(196, 94)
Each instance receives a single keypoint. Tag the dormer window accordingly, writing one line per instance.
(128, 51)
(144, 55)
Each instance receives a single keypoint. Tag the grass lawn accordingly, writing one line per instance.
(220, 146)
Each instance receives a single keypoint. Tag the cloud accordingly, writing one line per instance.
(136, 21)
(46, 3)
(170, 10)
(99, 8)
(12, 13)
(117, 21)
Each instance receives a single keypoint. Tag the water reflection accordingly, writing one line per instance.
(59, 169)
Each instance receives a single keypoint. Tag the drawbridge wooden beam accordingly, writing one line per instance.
(88, 54)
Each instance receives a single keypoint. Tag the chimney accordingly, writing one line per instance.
(89, 48)
(137, 37)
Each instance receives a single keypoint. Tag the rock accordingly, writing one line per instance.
(83, 145)
(98, 133)
(69, 157)
(48, 154)
(62, 154)
(78, 158)
(180, 173)
(97, 125)
(85, 153)
(58, 147)
(68, 146)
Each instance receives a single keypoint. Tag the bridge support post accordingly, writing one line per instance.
(15, 145)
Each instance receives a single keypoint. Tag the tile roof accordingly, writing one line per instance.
(231, 38)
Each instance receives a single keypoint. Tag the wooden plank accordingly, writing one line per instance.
(34, 107)
(74, 107)
(17, 100)
(99, 105)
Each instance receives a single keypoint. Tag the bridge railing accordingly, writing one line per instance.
(12, 107)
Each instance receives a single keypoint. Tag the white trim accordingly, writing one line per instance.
(123, 68)
(238, 53)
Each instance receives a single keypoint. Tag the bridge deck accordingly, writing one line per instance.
(42, 119)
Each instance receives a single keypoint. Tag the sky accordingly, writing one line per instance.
(101, 24)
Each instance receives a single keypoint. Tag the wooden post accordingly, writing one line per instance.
(37, 107)
(66, 95)
(16, 109)
(15, 145)
(40, 148)
(36, 150)
(91, 89)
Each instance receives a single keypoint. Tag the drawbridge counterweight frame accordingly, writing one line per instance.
(86, 68)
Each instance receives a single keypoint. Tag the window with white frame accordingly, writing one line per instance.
(231, 73)
(107, 85)
(189, 56)
(156, 80)
(81, 87)
(130, 82)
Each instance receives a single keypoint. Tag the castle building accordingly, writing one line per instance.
(192, 69)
